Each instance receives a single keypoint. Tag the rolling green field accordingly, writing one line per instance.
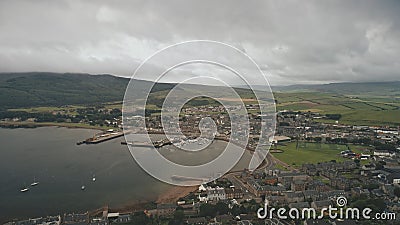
(354, 110)
(313, 152)
(358, 103)
(69, 110)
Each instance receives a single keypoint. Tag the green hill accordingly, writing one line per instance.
(55, 89)
(366, 89)
(358, 103)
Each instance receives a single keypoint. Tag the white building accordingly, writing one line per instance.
(383, 153)
(216, 194)
(202, 188)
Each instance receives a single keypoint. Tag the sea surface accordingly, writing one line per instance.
(50, 156)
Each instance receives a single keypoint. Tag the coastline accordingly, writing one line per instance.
(13, 125)
(172, 195)
(175, 193)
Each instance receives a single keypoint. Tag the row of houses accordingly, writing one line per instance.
(219, 193)
(314, 169)
(290, 197)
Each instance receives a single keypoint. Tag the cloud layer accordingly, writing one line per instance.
(292, 41)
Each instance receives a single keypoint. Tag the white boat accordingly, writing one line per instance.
(83, 187)
(25, 189)
(94, 178)
(34, 182)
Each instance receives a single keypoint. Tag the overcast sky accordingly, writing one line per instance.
(293, 41)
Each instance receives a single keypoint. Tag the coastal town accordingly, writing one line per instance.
(365, 169)
(199, 112)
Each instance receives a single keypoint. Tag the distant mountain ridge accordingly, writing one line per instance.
(346, 88)
(56, 89)
(388, 89)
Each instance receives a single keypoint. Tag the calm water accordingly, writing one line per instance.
(51, 155)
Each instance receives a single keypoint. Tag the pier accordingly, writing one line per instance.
(110, 134)
(156, 144)
(137, 144)
(99, 138)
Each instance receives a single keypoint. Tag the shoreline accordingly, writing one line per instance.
(15, 125)
(175, 193)
(172, 195)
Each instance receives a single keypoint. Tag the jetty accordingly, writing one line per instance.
(102, 137)
(155, 144)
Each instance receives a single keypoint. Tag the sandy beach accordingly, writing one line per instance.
(173, 194)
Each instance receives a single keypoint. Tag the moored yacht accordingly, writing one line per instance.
(34, 182)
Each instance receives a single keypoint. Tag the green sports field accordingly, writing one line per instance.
(306, 152)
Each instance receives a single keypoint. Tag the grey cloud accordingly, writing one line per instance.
(293, 41)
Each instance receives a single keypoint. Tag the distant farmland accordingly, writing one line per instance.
(358, 103)
(354, 110)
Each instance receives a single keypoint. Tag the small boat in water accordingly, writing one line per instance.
(83, 187)
(24, 189)
(94, 178)
(34, 182)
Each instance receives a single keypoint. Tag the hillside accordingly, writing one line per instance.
(376, 103)
(54, 89)
(369, 89)
(22, 90)
(358, 103)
